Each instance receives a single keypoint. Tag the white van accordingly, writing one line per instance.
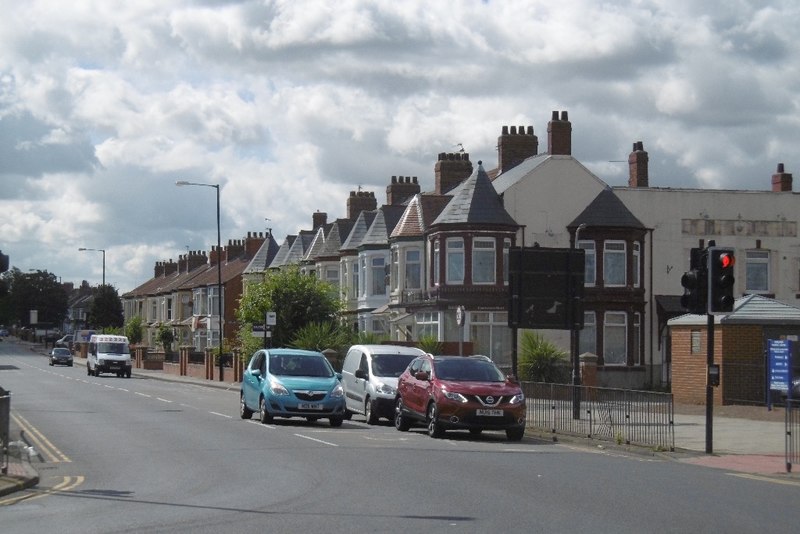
(369, 378)
(108, 354)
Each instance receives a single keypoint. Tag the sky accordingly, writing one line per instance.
(290, 105)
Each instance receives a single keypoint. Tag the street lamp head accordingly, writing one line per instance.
(181, 182)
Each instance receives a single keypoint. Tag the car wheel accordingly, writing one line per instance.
(51, 363)
(70, 364)
(88, 371)
(244, 411)
(336, 421)
(400, 420)
(348, 415)
(96, 371)
(127, 374)
(515, 434)
(369, 412)
(263, 414)
(435, 429)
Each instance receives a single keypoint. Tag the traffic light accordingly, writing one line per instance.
(721, 262)
(694, 282)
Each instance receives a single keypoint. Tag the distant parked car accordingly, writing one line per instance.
(459, 392)
(291, 383)
(3, 332)
(61, 356)
(65, 341)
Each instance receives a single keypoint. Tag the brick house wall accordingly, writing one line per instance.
(738, 349)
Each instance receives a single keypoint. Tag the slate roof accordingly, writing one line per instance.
(381, 228)
(422, 210)
(608, 211)
(283, 252)
(750, 309)
(264, 256)
(338, 234)
(475, 201)
(360, 227)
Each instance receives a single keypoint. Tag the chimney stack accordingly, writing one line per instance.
(319, 218)
(559, 135)
(515, 146)
(360, 201)
(781, 181)
(637, 166)
(253, 243)
(451, 170)
(401, 189)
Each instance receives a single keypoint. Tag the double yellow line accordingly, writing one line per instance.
(42, 445)
(50, 453)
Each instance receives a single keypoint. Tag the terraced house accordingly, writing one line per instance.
(405, 267)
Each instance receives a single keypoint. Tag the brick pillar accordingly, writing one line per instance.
(588, 364)
(183, 360)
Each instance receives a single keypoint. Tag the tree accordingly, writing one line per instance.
(133, 330)
(106, 309)
(165, 337)
(297, 300)
(38, 291)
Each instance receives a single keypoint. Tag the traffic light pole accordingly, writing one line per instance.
(709, 387)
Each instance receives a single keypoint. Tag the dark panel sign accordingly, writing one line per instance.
(546, 288)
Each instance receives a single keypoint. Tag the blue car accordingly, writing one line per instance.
(291, 383)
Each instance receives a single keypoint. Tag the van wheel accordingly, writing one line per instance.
(336, 421)
(369, 412)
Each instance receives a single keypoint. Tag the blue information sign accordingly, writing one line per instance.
(780, 359)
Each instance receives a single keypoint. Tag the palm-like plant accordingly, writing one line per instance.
(541, 360)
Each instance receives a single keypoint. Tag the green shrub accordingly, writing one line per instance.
(542, 361)
(430, 344)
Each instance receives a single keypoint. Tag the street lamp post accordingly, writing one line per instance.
(219, 271)
(83, 249)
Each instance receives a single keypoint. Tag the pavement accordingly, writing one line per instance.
(745, 439)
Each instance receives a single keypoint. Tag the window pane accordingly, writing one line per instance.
(455, 261)
(588, 336)
(757, 275)
(413, 269)
(483, 263)
(590, 273)
(378, 277)
(614, 263)
(615, 336)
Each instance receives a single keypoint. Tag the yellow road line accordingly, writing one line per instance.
(43, 446)
(68, 483)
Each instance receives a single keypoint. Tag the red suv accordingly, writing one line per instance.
(459, 392)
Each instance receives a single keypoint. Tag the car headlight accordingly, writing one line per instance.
(458, 397)
(385, 389)
(517, 399)
(337, 392)
(276, 388)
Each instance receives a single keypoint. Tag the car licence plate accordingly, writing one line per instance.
(492, 413)
(309, 406)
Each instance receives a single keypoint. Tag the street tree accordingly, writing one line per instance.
(37, 290)
(297, 300)
(106, 309)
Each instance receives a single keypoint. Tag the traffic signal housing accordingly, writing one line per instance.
(695, 283)
(721, 262)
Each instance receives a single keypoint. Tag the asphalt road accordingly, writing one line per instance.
(139, 455)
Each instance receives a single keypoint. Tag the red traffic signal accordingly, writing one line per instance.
(721, 262)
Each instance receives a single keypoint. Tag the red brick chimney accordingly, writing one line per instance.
(451, 170)
(192, 260)
(637, 166)
(781, 181)
(319, 218)
(234, 249)
(401, 189)
(514, 148)
(559, 135)
(170, 267)
(159, 269)
(212, 257)
(360, 201)
(253, 243)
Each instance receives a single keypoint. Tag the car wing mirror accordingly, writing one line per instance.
(256, 372)
(361, 374)
(512, 378)
(422, 375)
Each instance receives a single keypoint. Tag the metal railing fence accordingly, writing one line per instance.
(5, 425)
(623, 416)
